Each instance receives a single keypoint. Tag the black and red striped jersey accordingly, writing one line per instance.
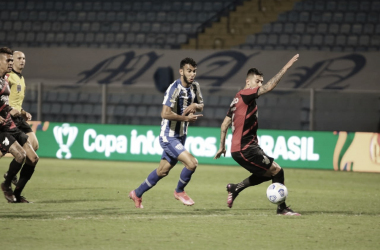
(243, 112)
(4, 106)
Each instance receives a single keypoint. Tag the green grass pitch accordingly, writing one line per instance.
(81, 204)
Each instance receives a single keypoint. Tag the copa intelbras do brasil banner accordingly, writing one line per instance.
(294, 149)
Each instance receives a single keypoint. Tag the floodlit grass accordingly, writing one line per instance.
(82, 204)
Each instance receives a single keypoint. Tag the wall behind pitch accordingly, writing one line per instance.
(225, 68)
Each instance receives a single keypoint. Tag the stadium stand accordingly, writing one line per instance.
(108, 24)
(330, 25)
(324, 25)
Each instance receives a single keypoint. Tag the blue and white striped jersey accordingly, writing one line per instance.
(178, 98)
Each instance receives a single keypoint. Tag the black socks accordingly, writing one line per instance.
(14, 168)
(25, 175)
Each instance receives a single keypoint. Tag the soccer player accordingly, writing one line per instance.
(245, 150)
(17, 85)
(182, 99)
(12, 139)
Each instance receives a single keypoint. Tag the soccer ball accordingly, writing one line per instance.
(277, 193)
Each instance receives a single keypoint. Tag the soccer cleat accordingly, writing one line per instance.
(231, 194)
(22, 199)
(8, 193)
(137, 200)
(184, 198)
(14, 180)
(286, 211)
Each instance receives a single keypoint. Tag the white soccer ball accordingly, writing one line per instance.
(277, 193)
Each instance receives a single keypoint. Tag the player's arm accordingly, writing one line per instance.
(14, 112)
(167, 113)
(27, 116)
(194, 107)
(276, 79)
(223, 133)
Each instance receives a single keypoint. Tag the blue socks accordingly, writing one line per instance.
(149, 182)
(184, 178)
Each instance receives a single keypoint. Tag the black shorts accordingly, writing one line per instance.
(254, 160)
(9, 137)
(22, 124)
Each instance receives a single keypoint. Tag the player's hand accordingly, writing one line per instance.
(221, 151)
(2, 120)
(192, 118)
(15, 112)
(190, 109)
(27, 116)
(290, 63)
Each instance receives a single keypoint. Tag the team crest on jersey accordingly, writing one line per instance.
(236, 100)
(265, 160)
(179, 146)
(6, 142)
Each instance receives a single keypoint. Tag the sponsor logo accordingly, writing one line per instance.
(106, 144)
(60, 133)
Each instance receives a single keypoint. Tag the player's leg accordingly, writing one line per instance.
(19, 155)
(191, 164)
(33, 140)
(152, 179)
(257, 163)
(26, 171)
(166, 164)
(235, 189)
(277, 174)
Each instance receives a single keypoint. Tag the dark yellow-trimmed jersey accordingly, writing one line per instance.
(17, 85)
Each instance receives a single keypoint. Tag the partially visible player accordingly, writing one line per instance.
(17, 85)
(12, 139)
(245, 150)
(182, 99)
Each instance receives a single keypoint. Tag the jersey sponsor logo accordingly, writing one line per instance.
(6, 142)
(61, 132)
(179, 146)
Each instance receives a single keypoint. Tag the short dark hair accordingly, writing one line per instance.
(187, 60)
(5, 50)
(254, 71)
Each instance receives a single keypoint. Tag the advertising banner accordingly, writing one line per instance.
(295, 149)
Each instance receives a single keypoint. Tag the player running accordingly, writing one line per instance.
(182, 99)
(17, 85)
(12, 139)
(245, 150)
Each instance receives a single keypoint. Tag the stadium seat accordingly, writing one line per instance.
(352, 40)
(340, 40)
(272, 39)
(284, 39)
(277, 28)
(304, 16)
(364, 40)
(334, 28)
(357, 29)
(295, 39)
(329, 40)
(317, 40)
(300, 28)
(361, 17)
(267, 28)
(327, 17)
